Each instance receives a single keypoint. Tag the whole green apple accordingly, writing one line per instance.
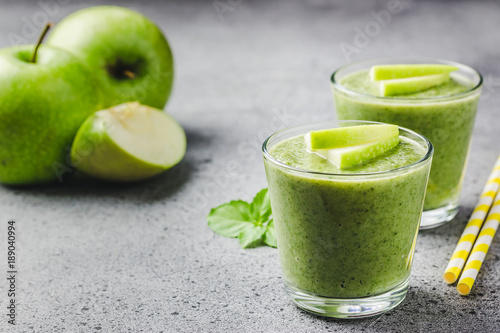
(42, 106)
(126, 51)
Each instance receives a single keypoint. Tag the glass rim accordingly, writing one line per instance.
(422, 160)
(395, 60)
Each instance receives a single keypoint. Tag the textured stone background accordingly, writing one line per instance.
(140, 258)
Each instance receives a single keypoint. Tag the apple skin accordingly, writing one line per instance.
(116, 41)
(43, 105)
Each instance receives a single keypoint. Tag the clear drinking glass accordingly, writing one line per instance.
(346, 241)
(447, 121)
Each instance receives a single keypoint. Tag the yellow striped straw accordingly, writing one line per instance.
(472, 228)
(480, 249)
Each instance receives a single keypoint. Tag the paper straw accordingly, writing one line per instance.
(480, 249)
(472, 228)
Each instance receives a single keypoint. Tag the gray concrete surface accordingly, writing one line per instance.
(96, 257)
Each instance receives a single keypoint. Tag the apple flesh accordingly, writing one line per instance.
(126, 51)
(128, 142)
(43, 105)
(347, 157)
(390, 72)
(349, 136)
(411, 85)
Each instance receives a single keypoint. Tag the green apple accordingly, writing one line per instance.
(128, 142)
(390, 72)
(126, 51)
(43, 103)
(411, 85)
(349, 136)
(347, 157)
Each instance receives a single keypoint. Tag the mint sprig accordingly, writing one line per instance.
(251, 223)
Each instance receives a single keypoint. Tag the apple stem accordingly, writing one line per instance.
(129, 74)
(40, 40)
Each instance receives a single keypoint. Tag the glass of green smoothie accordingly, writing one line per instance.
(444, 114)
(346, 237)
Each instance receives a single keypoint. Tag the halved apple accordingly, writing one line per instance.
(128, 142)
(390, 72)
(411, 85)
(347, 157)
(349, 136)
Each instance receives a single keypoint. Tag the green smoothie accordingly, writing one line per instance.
(444, 114)
(346, 233)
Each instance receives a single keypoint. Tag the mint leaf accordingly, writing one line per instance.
(249, 222)
(230, 219)
(252, 237)
(270, 235)
(260, 208)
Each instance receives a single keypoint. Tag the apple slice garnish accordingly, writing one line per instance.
(347, 157)
(128, 142)
(411, 85)
(349, 136)
(391, 72)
